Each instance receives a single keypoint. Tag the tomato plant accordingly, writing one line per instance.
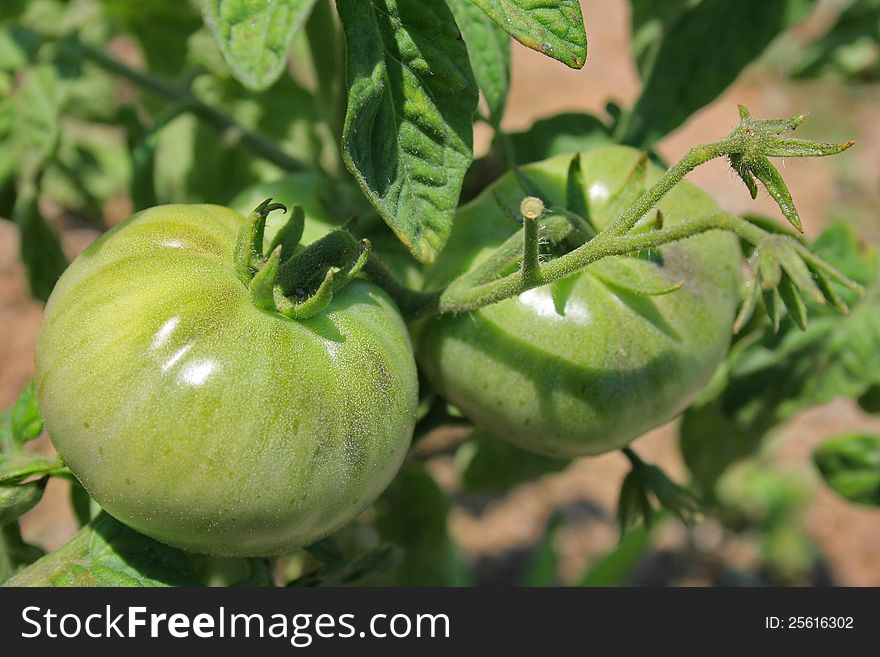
(230, 372)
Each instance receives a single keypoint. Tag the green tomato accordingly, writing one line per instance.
(586, 364)
(208, 424)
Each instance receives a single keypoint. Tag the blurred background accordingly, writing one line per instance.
(782, 526)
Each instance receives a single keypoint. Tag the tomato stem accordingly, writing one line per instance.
(531, 210)
(748, 146)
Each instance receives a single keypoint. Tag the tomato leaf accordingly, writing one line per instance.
(14, 552)
(29, 134)
(408, 127)
(488, 464)
(191, 165)
(412, 515)
(650, 21)
(701, 52)
(166, 50)
(850, 465)
(39, 246)
(552, 27)
(22, 422)
(255, 37)
(107, 553)
(489, 51)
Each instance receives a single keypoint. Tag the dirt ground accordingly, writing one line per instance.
(499, 534)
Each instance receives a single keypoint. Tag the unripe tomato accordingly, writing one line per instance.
(583, 366)
(204, 422)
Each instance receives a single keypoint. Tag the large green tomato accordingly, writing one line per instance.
(585, 365)
(204, 422)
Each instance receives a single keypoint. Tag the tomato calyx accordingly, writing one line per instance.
(760, 139)
(294, 280)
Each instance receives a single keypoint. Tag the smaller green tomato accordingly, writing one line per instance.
(204, 422)
(590, 362)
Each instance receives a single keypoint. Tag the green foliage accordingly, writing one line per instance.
(364, 568)
(15, 554)
(553, 27)
(19, 425)
(613, 567)
(849, 50)
(412, 516)
(220, 94)
(769, 377)
(22, 422)
(562, 133)
(255, 37)
(870, 400)
(690, 52)
(757, 496)
(489, 51)
(18, 499)
(488, 464)
(29, 126)
(411, 99)
(544, 561)
(107, 553)
(850, 464)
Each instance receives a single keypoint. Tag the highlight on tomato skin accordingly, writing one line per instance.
(203, 421)
(586, 364)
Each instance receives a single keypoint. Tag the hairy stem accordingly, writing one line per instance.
(457, 298)
(694, 158)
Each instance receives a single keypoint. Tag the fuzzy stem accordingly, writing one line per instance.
(456, 299)
(694, 158)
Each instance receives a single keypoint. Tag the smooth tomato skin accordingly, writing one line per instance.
(208, 424)
(612, 364)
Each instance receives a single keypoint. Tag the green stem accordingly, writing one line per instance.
(531, 267)
(457, 298)
(412, 304)
(694, 158)
(228, 127)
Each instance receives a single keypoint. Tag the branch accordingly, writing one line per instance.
(228, 127)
